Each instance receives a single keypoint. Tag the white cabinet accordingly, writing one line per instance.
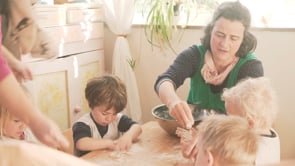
(58, 85)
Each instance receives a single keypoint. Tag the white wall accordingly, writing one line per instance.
(275, 48)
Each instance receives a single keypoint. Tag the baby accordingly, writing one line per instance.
(11, 127)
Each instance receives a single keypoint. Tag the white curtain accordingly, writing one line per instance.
(118, 16)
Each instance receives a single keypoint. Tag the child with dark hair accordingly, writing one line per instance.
(105, 127)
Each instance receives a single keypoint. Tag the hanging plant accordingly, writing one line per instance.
(161, 19)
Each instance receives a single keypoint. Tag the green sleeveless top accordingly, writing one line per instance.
(200, 92)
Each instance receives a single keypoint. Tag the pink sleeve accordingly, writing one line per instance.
(4, 68)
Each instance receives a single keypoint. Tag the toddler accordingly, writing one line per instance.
(11, 127)
(226, 141)
(105, 127)
(255, 100)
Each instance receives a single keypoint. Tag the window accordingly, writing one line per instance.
(265, 13)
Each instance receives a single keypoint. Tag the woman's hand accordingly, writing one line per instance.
(180, 111)
(47, 132)
(22, 72)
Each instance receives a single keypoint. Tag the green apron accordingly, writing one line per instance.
(200, 92)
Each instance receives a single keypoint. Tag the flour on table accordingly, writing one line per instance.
(135, 148)
(175, 156)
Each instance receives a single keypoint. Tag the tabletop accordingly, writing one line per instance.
(154, 147)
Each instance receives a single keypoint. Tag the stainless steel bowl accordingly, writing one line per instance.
(169, 124)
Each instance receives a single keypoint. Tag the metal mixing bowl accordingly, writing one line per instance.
(169, 124)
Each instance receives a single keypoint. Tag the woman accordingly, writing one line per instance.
(223, 58)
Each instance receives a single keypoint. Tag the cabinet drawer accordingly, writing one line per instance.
(47, 17)
(75, 16)
(74, 33)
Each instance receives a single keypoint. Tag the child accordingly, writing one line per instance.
(105, 127)
(11, 127)
(226, 141)
(255, 100)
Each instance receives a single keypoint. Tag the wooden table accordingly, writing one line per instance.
(154, 148)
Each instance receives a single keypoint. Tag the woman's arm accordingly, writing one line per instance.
(21, 71)
(252, 68)
(178, 108)
(183, 67)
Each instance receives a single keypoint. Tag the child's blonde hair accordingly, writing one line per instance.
(4, 116)
(229, 139)
(256, 99)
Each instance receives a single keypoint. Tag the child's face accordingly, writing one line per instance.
(103, 116)
(14, 128)
(202, 157)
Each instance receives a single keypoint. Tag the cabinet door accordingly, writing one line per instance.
(49, 89)
(51, 96)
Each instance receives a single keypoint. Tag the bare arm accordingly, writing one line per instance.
(134, 132)
(123, 143)
(90, 144)
(22, 71)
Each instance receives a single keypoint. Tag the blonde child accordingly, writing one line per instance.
(226, 141)
(105, 127)
(255, 100)
(12, 127)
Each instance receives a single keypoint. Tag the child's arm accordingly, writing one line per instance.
(188, 141)
(125, 141)
(90, 144)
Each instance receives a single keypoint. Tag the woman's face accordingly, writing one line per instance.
(103, 116)
(14, 128)
(226, 39)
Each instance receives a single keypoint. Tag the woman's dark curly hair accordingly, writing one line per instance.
(233, 11)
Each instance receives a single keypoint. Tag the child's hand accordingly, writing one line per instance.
(188, 141)
(123, 143)
(110, 144)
